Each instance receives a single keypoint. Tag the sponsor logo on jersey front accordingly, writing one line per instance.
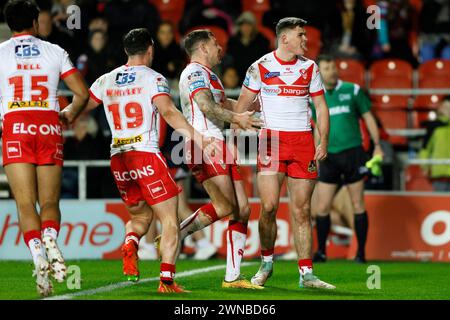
(269, 75)
(344, 96)
(339, 110)
(285, 91)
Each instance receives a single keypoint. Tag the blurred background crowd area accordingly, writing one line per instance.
(409, 52)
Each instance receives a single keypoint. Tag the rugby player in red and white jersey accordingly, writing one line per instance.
(132, 96)
(32, 135)
(206, 108)
(284, 81)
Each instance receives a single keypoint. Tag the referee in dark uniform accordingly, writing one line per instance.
(346, 160)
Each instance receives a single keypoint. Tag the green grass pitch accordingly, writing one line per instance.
(399, 280)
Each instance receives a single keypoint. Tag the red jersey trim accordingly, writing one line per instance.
(22, 34)
(160, 94)
(294, 61)
(68, 73)
(197, 90)
(315, 94)
(92, 95)
(252, 90)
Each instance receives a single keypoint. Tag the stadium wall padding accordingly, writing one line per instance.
(402, 227)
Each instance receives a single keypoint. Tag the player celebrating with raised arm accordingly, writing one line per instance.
(132, 96)
(206, 108)
(283, 81)
(32, 135)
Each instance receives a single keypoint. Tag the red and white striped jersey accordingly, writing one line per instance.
(30, 70)
(196, 77)
(284, 89)
(127, 94)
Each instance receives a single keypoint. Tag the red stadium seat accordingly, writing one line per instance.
(220, 34)
(427, 101)
(393, 119)
(416, 180)
(257, 7)
(314, 36)
(390, 74)
(269, 35)
(171, 10)
(390, 101)
(369, 3)
(351, 70)
(434, 74)
(418, 117)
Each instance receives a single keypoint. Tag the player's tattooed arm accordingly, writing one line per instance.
(205, 101)
(211, 109)
(229, 104)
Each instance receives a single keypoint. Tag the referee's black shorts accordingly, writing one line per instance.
(345, 167)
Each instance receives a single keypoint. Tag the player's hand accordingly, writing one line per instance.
(377, 151)
(248, 120)
(66, 116)
(235, 129)
(209, 146)
(321, 152)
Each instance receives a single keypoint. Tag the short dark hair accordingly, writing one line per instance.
(137, 41)
(20, 14)
(324, 57)
(194, 37)
(289, 23)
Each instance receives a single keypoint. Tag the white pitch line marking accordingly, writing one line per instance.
(125, 284)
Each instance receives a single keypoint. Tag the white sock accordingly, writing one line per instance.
(50, 232)
(36, 249)
(191, 224)
(268, 258)
(235, 251)
(202, 243)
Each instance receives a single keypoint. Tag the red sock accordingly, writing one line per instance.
(132, 236)
(267, 255)
(237, 226)
(209, 210)
(30, 235)
(167, 272)
(50, 228)
(305, 266)
(267, 252)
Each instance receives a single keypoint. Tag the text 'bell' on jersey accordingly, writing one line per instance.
(196, 77)
(30, 70)
(284, 89)
(128, 94)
